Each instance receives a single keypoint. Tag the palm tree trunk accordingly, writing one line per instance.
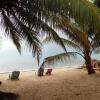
(88, 62)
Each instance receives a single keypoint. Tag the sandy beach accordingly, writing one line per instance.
(63, 84)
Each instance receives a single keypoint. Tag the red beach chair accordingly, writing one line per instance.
(49, 71)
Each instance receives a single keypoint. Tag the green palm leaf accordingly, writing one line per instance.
(58, 58)
(65, 41)
(86, 14)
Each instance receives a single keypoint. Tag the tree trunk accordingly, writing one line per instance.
(88, 62)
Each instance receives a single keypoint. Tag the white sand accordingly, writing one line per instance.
(63, 84)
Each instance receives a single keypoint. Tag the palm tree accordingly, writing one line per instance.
(23, 20)
(78, 40)
(85, 34)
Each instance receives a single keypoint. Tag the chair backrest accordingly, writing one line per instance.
(16, 73)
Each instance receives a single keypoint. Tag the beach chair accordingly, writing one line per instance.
(14, 75)
(41, 71)
(49, 71)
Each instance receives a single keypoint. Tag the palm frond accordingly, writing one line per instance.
(17, 30)
(85, 13)
(58, 58)
(12, 31)
(66, 42)
(75, 34)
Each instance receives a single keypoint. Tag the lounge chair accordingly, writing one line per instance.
(14, 75)
(49, 71)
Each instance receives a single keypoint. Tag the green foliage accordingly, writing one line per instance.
(56, 58)
(86, 14)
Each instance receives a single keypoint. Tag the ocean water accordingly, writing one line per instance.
(11, 60)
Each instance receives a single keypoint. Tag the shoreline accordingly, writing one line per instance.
(27, 70)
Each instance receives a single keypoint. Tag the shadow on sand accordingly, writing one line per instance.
(8, 96)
